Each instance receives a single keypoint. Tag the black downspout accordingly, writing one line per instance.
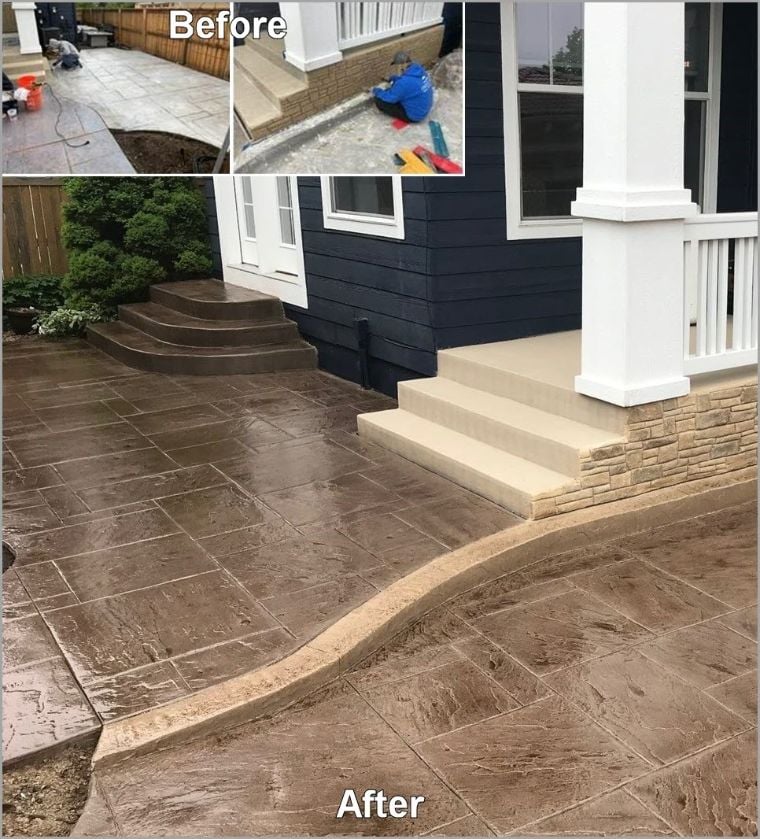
(362, 339)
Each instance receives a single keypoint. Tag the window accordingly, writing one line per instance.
(370, 206)
(543, 112)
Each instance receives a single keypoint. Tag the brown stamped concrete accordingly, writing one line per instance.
(601, 691)
(174, 531)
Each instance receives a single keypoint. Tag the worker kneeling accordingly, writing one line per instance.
(409, 95)
(68, 54)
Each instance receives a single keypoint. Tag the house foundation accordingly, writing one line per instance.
(708, 433)
(273, 94)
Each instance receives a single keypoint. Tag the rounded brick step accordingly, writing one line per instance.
(146, 352)
(178, 328)
(215, 300)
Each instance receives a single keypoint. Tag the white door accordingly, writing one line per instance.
(260, 235)
(267, 223)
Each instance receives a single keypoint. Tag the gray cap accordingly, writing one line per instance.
(401, 58)
(54, 43)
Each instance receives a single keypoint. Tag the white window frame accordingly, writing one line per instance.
(389, 227)
(566, 228)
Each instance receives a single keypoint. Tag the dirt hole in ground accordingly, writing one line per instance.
(45, 796)
(161, 153)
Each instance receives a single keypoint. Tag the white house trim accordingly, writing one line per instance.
(290, 288)
(312, 38)
(389, 227)
(26, 28)
(633, 203)
(556, 228)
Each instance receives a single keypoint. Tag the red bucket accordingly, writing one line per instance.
(27, 81)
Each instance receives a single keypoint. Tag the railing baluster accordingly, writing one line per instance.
(752, 272)
(702, 299)
(722, 296)
(740, 295)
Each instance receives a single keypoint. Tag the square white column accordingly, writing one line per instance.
(312, 38)
(26, 27)
(633, 202)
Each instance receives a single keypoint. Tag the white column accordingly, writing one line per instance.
(633, 202)
(312, 38)
(26, 26)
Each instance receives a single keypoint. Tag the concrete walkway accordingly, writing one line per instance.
(606, 691)
(133, 90)
(77, 143)
(173, 532)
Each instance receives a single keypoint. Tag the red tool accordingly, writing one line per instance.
(443, 164)
(399, 124)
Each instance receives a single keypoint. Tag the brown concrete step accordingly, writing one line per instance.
(178, 328)
(215, 300)
(145, 352)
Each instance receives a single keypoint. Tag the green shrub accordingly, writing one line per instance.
(39, 292)
(69, 320)
(123, 234)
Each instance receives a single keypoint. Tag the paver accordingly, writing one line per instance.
(622, 744)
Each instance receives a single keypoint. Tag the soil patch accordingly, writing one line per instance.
(46, 796)
(161, 153)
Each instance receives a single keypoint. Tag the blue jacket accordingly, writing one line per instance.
(413, 89)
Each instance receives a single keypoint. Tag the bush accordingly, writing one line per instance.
(38, 292)
(70, 321)
(123, 234)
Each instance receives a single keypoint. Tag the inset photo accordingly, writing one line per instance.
(348, 88)
(103, 88)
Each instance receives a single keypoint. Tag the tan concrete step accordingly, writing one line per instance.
(545, 438)
(252, 106)
(15, 64)
(508, 480)
(539, 372)
(274, 77)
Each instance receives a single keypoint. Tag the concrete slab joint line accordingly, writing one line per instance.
(365, 629)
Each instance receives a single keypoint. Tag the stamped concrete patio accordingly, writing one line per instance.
(609, 690)
(172, 532)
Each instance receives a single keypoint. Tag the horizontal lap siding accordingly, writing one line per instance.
(484, 287)
(350, 276)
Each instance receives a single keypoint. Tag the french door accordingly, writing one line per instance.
(267, 223)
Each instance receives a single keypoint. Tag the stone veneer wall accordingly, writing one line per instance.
(666, 443)
(361, 68)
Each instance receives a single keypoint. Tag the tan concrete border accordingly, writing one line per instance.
(270, 689)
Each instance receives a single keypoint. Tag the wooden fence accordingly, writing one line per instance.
(32, 227)
(148, 30)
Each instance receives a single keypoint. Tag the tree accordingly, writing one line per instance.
(567, 62)
(123, 234)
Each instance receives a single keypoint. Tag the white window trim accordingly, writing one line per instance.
(290, 288)
(565, 228)
(386, 226)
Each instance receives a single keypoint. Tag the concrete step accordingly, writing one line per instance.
(252, 106)
(538, 372)
(269, 72)
(145, 352)
(15, 64)
(178, 328)
(215, 300)
(544, 438)
(508, 480)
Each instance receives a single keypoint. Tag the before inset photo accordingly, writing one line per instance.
(102, 89)
(349, 88)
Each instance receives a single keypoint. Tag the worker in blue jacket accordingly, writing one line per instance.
(409, 95)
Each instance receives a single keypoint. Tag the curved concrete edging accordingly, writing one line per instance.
(356, 635)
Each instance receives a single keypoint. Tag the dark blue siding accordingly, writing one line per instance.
(207, 187)
(484, 287)
(737, 156)
(387, 281)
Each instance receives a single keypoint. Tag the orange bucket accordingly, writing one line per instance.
(27, 81)
(34, 99)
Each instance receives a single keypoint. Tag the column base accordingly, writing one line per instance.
(627, 397)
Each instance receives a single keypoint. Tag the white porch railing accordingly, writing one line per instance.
(361, 23)
(720, 292)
